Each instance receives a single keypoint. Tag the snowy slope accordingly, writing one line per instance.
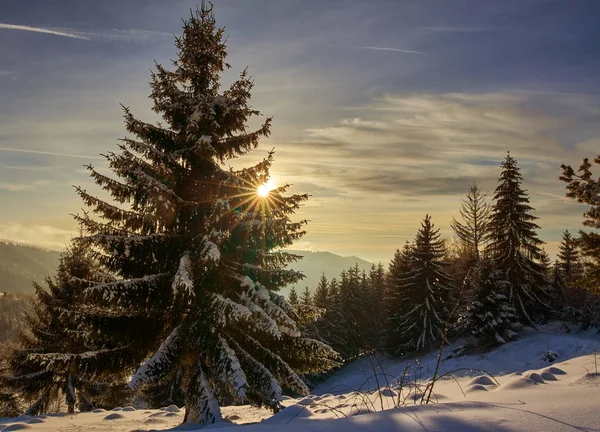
(526, 393)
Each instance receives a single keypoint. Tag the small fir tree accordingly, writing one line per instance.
(514, 244)
(57, 360)
(293, 298)
(568, 259)
(198, 251)
(376, 308)
(490, 315)
(321, 298)
(425, 293)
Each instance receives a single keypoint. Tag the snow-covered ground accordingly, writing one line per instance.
(526, 393)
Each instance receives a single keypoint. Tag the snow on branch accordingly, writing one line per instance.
(163, 359)
(183, 279)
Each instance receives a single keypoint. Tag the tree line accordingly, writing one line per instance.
(489, 283)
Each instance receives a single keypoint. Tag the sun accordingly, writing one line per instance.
(264, 189)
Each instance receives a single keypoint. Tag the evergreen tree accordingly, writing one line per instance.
(293, 298)
(331, 326)
(57, 360)
(514, 244)
(568, 259)
(490, 315)
(424, 293)
(396, 306)
(473, 231)
(376, 308)
(321, 298)
(352, 300)
(198, 252)
(306, 297)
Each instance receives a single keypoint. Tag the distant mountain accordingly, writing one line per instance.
(20, 265)
(314, 264)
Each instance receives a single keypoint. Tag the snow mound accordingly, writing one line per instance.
(35, 421)
(99, 410)
(554, 370)
(547, 376)
(115, 416)
(129, 409)
(519, 383)
(16, 427)
(306, 401)
(171, 409)
(536, 377)
(483, 380)
(476, 388)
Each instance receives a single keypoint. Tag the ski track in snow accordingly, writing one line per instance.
(532, 394)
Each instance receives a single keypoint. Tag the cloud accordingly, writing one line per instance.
(40, 152)
(14, 187)
(51, 31)
(42, 235)
(374, 48)
(131, 35)
(457, 29)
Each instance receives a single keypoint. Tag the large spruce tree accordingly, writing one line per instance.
(196, 249)
(57, 360)
(514, 244)
(423, 294)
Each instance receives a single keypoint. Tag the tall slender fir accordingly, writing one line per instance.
(514, 245)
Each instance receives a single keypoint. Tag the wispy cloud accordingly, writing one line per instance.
(131, 35)
(40, 152)
(375, 48)
(51, 31)
(457, 29)
(120, 35)
(14, 187)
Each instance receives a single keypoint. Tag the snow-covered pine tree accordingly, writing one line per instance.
(197, 250)
(395, 304)
(473, 231)
(57, 361)
(425, 293)
(490, 315)
(515, 246)
(585, 189)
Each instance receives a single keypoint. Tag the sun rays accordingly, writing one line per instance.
(264, 189)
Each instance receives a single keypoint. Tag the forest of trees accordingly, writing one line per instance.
(492, 280)
(169, 295)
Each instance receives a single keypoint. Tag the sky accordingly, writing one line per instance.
(384, 110)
